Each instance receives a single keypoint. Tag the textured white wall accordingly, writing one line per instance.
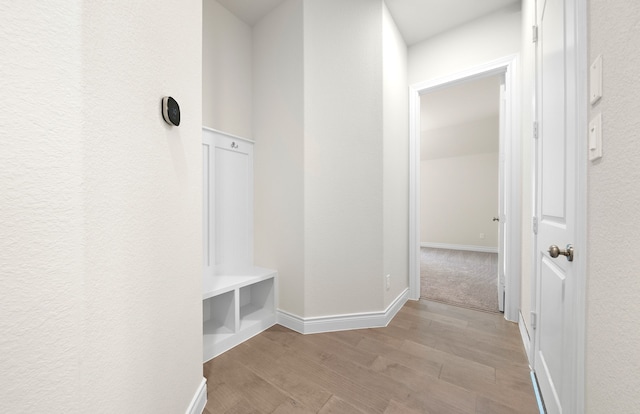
(41, 208)
(480, 41)
(613, 285)
(226, 71)
(343, 156)
(101, 249)
(395, 165)
(458, 198)
(279, 150)
(143, 196)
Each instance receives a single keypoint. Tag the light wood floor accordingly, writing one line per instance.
(432, 358)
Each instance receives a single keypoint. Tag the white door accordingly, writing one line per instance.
(555, 339)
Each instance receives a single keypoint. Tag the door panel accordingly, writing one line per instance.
(207, 195)
(232, 201)
(552, 114)
(552, 320)
(555, 203)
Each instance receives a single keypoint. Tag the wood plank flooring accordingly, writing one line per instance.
(432, 358)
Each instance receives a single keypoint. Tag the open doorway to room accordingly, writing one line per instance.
(459, 194)
(508, 221)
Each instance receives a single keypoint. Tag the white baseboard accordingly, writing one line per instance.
(526, 340)
(343, 322)
(199, 399)
(469, 248)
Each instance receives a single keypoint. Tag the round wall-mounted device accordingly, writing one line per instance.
(170, 111)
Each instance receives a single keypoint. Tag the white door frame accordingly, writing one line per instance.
(508, 66)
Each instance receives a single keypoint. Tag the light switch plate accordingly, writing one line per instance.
(595, 80)
(595, 138)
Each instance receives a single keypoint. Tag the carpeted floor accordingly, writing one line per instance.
(461, 278)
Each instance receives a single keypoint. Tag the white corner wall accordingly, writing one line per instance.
(395, 165)
(480, 41)
(278, 126)
(343, 156)
(458, 198)
(330, 125)
(101, 246)
(613, 285)
(227, 71)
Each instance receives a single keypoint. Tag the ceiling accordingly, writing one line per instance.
(461, 119)
(250, 11)
(461, 103)
(417, 20)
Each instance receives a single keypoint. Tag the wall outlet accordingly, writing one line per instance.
(482, 236)
(388, 282)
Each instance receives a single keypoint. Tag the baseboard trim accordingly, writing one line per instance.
(199, 399)
(343, 322)
(536, 390)
(524, 333)
(469, 248)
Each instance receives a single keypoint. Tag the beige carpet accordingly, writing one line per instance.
(461, 278)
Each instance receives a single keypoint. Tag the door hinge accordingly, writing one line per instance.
(535, 129)
(534, 320)
(535, 225)
(535, 34)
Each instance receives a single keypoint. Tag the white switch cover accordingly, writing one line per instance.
(595, 80)
(595, 138)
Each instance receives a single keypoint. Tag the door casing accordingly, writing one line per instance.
(508, 66)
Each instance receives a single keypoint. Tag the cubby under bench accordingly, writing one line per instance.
(237, 305)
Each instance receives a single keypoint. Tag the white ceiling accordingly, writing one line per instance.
(461, 103)
(250, 11)
(461, 119)
(417, 20)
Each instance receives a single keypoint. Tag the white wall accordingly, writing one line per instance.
(279, 150)
(395, 165)
(613, 285)
(483, 40)
(227, 71)
(101, 245)
(41, 208)
(343, 156)
(331, 184)
(458, 198)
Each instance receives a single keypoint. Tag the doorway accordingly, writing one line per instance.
(459, 194)
(509, 218)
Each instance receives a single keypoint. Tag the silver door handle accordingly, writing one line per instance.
(555, 251)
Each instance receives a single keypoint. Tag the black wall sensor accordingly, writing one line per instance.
(170, 111)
